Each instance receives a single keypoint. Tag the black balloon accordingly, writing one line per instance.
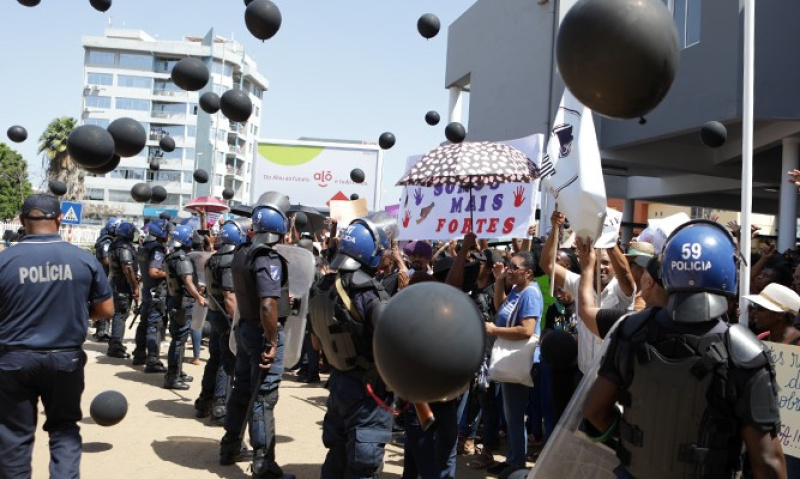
(247, 2)
(158, 194)
(167, 143)
(432, 118)
(227, 193)
(263, 19)
(428, 25)
(129, 136)
(101, 5)
(58, 188)
(455, 132)
(713, 134)
(357, 175)
(107, 168)
(410, 354)
(108, 408)
(190, 74)
(200, 175)
(29, 3)
(386, 140)
(154, 166)
(17, 134)
(353, 197)
(141, 192)
(164, 215)
(90, 146)
(300, 219)
(209, 102)
(618, 57)
(236, 105)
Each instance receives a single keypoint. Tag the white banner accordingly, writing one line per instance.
(443, 213)
(608, 239)
(571, 170)
(787, 369)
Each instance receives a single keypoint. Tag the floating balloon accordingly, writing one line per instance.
(167, 143)
(432, 118)
(101, 5)
(353, 197)
(263, 19)
(236, 105)
(107, 168)
(455, 132)
(154, 166)
(17, 134)
(409, 352)
(227, 193)
(141, 192)
(108, 408)
(428, 25)
(158, 194)
(129, 136)
(190, 74)
(300, 219)
(90, 146)
(357, 175)
(713, 134)
(165, 215)
(386, 140)
(209, 102)
(29, 3)
(200, 175)
(58, 188)
(247, 2)
(634, 79)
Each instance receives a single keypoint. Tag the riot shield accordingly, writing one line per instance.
(301, 276)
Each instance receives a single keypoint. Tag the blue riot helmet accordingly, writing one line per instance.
(269, 217)
(363, 242)
(232, 233)
(125, 230)
(111, 226)
(181, 236)
(699, 271)
(103, 232)
(158, 228)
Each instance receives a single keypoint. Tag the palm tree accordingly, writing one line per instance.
(53, 143)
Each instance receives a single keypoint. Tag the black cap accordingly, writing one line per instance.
(654, 270)
(47, 204)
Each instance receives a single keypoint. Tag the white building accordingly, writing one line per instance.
(127, 74)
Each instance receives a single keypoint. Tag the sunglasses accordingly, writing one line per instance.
(515, 267)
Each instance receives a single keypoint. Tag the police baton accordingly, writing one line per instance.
(137, 309)
(221, 309)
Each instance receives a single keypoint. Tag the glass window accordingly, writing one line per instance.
(219, 89)
(100, 58)
(96, 122)
(693, 9)
(100, 79)
(132, 104)
(187, 177)
(96, 101)
(189, 153)
(116, 195)
(193, 108)
(128, 174)
(95, 194)
(191, 131)
(131, 81)
(165, 66)
(176, 154)
(165, 176)
(165, 85)
(169, 108)
(172, 199)
(135, 61)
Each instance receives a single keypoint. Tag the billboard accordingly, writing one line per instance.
(313, 173)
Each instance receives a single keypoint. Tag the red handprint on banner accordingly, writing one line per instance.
(519, 196)
(406, 219)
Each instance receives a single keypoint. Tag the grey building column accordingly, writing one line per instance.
(455, 111)
(626, 232)
(787, 207)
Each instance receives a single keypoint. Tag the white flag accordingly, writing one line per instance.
(572, 165)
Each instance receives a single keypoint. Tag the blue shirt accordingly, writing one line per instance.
(528, 302)
(268, 271)
(46, 286)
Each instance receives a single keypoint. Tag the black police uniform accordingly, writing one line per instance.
(180, 305)
(101, 248)
(121, 254)
(46, 285)
(151, 254)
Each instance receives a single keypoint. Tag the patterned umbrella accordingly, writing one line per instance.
(205, 204)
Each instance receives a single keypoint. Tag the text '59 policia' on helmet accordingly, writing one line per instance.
(158, 228)
(181, 236)
(111, 225)
(125, 230)
(699, 271)
(233, 233)
(363, 242)
(269, 217)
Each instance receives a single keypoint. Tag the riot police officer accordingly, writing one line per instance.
(182, 287)
(686, 356)
(260, 283)
(101, 248)
(342, 313)
(151, 257)
(221, 310)
(125, 283)
(50, 288)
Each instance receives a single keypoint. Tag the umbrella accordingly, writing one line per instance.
(316, 220)
(242, 210)
(206, 204)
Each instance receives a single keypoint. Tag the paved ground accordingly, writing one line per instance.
(161, 438)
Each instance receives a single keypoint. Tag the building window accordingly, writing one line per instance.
(165, 85)
(191, 131)
(128, 174)
(96, 101)
(170, 108)
(700, 213)
(132, 104)
(116, 195)
(130, 81)
(96, 122)
(100, 58)
(105, 79)
(216, 69)
(687, 20)
(218, 180)
(135, 61)
(96, 194)
(189, 153)
(187, 177)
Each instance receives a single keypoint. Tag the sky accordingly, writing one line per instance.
(338, 70)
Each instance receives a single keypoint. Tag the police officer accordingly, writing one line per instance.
(151, 255)
(50, 288)
(221, 309)
(183, 292)
(356, 428)
(101, 248)
(693, 388)
(260, 284)
(125, 283)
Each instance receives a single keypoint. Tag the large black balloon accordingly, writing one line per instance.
(90, 146)
(713, 134)
(236, 105)
(200, 175)
(108, 408)
(428, 342)
(432, 118)
(428, 25)
(618, 57)
(154, 166)
(29, 3)
(227, 193)
(300, 219)
(190, 74)
(101, 5)
(17, 134)
(357, 175)
(129, 136)
(455, 132)
(263, 19)
(141, 192)
(386, 140)
(167, 143)
(247, 2)
(107, 168)
(58, 188)
(209, 102)
(354, 197)
(158, 194)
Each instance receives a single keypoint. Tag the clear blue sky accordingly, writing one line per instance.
(342, 70)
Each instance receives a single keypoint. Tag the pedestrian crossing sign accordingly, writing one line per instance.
(71, 212)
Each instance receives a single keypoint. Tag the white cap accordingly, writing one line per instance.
(778, 298)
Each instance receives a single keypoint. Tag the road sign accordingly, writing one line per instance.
(71, 212)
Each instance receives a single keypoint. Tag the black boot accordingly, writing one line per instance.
(231, 450)
(139, 357)
(266, 469)
(153, 365)
(186, 378)
(218, 411)
(117, 350)
(202, 407)
(172, 381)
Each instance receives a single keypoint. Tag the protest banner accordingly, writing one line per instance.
(611, 227)
(787, 368)
(343, 212)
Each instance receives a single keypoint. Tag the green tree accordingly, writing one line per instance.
(14, 183)
(56, 159)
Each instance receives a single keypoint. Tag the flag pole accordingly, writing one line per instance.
(747, 156)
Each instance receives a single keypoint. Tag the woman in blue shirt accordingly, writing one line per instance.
(517, 315)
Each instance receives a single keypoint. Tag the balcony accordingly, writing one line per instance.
(170, 94)
(235, 150)
(236, 173)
